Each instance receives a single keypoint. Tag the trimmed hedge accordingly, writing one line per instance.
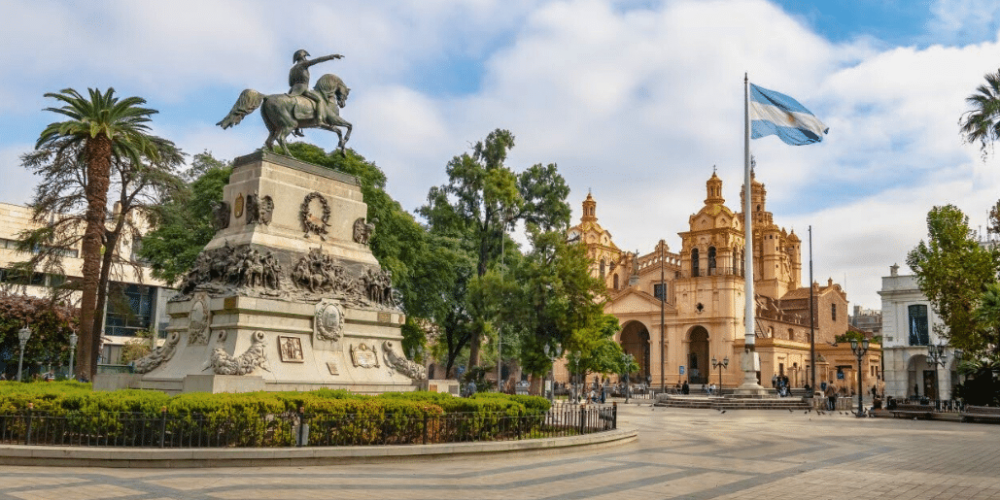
(268, 418)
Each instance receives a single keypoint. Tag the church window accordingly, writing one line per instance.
(660, 291)
(616, 282)
(918, 325)
(833, 312)
(711, 261)
(602, 268)
(694, 263)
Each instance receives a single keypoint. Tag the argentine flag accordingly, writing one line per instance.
(775, 113)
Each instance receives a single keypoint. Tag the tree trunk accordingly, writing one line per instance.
(97, 152)
(102, 285)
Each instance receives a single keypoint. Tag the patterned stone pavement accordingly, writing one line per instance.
(689, 454)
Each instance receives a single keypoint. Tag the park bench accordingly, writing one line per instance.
(912, 410)
(983, 413)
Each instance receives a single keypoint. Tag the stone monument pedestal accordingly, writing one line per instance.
(286, 297)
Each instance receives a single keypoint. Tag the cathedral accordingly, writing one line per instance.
(679, 311)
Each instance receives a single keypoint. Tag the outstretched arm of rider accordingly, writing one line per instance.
(324, 59)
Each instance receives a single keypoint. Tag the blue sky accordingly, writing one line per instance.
(633, 99)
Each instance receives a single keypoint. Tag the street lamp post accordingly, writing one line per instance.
(720, 365)
(860, 353)
(73, 338)
(553, 353)
(22, 336)
(936, 357)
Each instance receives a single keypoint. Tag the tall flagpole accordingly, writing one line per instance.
(748, 361)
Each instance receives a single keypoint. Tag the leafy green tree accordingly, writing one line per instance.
(105, 128)
(484, 198)
(981, 124)
(183, 223)
(560, 303)
(953, 271)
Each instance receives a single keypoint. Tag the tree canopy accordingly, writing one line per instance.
(482, 200)
(981, 124)
(953, 271)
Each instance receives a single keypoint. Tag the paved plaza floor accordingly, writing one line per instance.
(696, 454)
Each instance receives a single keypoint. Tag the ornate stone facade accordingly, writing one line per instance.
(701, 298)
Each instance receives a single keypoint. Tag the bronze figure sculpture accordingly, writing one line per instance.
(285, 114)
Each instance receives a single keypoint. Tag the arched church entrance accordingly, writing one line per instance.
(698, 369)
(635, 341)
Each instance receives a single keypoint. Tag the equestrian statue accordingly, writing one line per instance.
(300, 108)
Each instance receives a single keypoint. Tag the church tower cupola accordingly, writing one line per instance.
(714, 190)
(589, 209)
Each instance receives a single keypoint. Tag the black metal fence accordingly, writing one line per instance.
(281, 430)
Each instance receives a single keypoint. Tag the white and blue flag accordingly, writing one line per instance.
(774, 113)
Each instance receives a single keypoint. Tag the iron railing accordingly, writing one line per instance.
(168, 430)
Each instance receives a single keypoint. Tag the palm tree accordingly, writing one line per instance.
(103, 127)
(982, 123)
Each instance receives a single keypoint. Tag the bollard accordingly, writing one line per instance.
(583, 416)
(163, 426)
(27, 435)
(614, 414)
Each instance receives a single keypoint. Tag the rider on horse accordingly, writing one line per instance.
(298, 80)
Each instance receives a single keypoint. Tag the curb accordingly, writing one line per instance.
(57, 456)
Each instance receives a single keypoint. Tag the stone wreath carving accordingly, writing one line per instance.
(198, 322)
(329, 318)
(255, 357)
(242, 266)
(159, 355)
(259, 209)
(411, 369)
(363, 230)
(220, 215)
(364, 356)
(311, 223)
(318, 272)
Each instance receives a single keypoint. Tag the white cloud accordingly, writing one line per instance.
(635, 100)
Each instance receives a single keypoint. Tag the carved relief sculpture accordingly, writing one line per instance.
(266, 208)
(364, 356)
(411, 369)
(198, 323)
(319, 273)
(220, 215)
(290, 349)
(239, 267)
(329, 320)
(363, 231)
(259, 209)
(253, 211)
(222, 363)
(377, 285)
(311, 221)
(238, 206)
(159, 355)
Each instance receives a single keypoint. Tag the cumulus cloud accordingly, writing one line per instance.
(634, 100)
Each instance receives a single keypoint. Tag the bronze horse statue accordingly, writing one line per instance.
(284, 114)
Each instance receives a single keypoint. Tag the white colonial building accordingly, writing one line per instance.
(908, 324)
(136, 302)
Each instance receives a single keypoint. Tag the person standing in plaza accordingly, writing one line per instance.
(685, 389)
(831, 396)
